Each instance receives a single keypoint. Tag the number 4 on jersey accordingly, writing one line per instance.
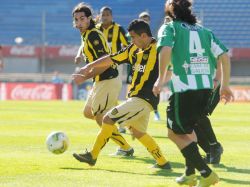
(195, 43)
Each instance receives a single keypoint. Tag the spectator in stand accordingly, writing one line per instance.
(56, 79)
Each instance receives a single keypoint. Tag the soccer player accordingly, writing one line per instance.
(191, 48)
(206, 137)
(146, 17)
(114, 34)
(107, 86)
(135, 111)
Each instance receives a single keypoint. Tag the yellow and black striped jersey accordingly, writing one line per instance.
(144, 70)
(94, 46)
(115, 35)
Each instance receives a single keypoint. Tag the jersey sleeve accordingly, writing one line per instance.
(123, 37)
(121, 56)
(98, 44)
(165, 36)
(217, 47)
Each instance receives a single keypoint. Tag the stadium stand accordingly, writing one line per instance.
(229, 19)
(24, 18)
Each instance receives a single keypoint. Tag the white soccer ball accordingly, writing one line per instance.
(57, 142)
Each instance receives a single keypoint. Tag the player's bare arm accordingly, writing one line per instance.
(217, 78)
(79, 57)
(92, 69)
(225, 91)
(164, 61)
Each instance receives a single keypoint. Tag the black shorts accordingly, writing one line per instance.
(213, 100)
(185, 109)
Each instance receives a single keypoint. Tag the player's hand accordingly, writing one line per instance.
(78, 59)
(78, 78)
(226, 94)
(157, 87)
(82, 75)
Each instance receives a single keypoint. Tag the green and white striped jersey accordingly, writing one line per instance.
(194, 53)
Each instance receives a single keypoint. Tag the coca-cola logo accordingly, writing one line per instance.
(68, 51)
(39, 92)
(23, 50)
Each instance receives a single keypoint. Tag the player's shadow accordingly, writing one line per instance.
(233, 181)
(150, 162)
(232, 169)
(158, 172)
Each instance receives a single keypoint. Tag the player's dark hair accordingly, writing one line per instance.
(82, 7)
(181, 10)
(139, 26)
(106, 8)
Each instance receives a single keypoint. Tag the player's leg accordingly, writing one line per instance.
(189, 150)
(202, 141)
(105, 98)
(153, 148)
(134, 113)
(215, 147)
(87, 111)
(102, 138)
(181, 121)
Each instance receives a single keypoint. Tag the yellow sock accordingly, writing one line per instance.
(118, 139)
(101, 139)
(153, 148)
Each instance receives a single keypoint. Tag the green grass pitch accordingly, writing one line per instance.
(25, 160)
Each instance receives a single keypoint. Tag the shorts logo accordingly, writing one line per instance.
(114, 111)
(96, 42)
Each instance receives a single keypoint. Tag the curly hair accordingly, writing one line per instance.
(83, 7)
(180, 10)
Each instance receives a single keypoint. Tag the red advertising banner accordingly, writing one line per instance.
(35, 91)
(36, 51)
(241, 53)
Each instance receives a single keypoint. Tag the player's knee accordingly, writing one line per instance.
(108, 120)
(88, 114)
(98, 119)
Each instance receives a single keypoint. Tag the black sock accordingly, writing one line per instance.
(202, 139)
(206, 126)
(189, 168)
(191, 153)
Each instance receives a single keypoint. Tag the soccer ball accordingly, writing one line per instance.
(57, 142)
